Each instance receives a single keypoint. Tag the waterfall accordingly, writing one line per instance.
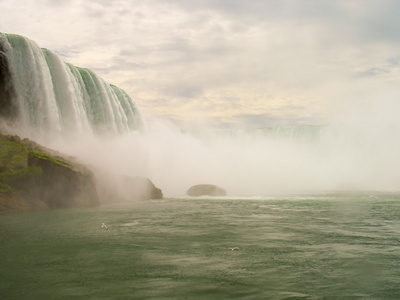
(44, 96)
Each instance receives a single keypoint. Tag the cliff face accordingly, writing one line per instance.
(32, 178)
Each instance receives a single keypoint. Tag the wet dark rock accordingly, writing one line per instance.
(140, 188)
(32, 179)
(61, 185)
(205, 190)
(125, 189)
(8, 108)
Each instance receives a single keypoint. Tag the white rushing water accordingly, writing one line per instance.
(56, 99)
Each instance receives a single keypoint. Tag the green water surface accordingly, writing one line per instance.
(331, 247)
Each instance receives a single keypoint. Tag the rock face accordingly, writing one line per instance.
(139, 188)
(7, 91)
(126, 189)
(65, 185)
(31, 179)
(205, 190)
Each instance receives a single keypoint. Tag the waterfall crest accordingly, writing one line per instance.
(43, 95)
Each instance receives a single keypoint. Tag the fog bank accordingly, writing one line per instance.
(358, 153)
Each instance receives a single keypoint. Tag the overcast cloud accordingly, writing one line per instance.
(249, 64)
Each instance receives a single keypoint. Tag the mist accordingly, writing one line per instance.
(72, 110)
(359, 152)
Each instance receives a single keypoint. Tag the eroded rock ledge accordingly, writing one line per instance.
(31, 179)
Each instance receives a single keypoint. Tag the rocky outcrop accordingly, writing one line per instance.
(205, 190)
(125, 189)
(31, 179)
(140, 188)
(61, 185)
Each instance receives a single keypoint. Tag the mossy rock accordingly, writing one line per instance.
(31, 179)
(21, 179)
(61, 186)
(13, 154)
(35, 158)
(5, 188)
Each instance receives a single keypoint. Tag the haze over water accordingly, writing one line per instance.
(356, 149)
(359, 153)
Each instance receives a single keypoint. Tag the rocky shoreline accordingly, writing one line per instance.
(33, 177)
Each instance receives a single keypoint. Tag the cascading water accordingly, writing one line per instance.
(51, 98)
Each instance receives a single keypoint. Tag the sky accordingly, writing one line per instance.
(226, 63)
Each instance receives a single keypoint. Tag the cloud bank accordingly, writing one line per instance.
(230, 63)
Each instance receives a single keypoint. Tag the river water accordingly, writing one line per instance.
(343, 246)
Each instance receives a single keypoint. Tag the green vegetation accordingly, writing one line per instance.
(4, 188)
(13, 154)
(33, 177)
(42, 156)
(14, 170)
(15, 178)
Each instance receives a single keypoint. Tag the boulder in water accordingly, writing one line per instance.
(205, 190)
